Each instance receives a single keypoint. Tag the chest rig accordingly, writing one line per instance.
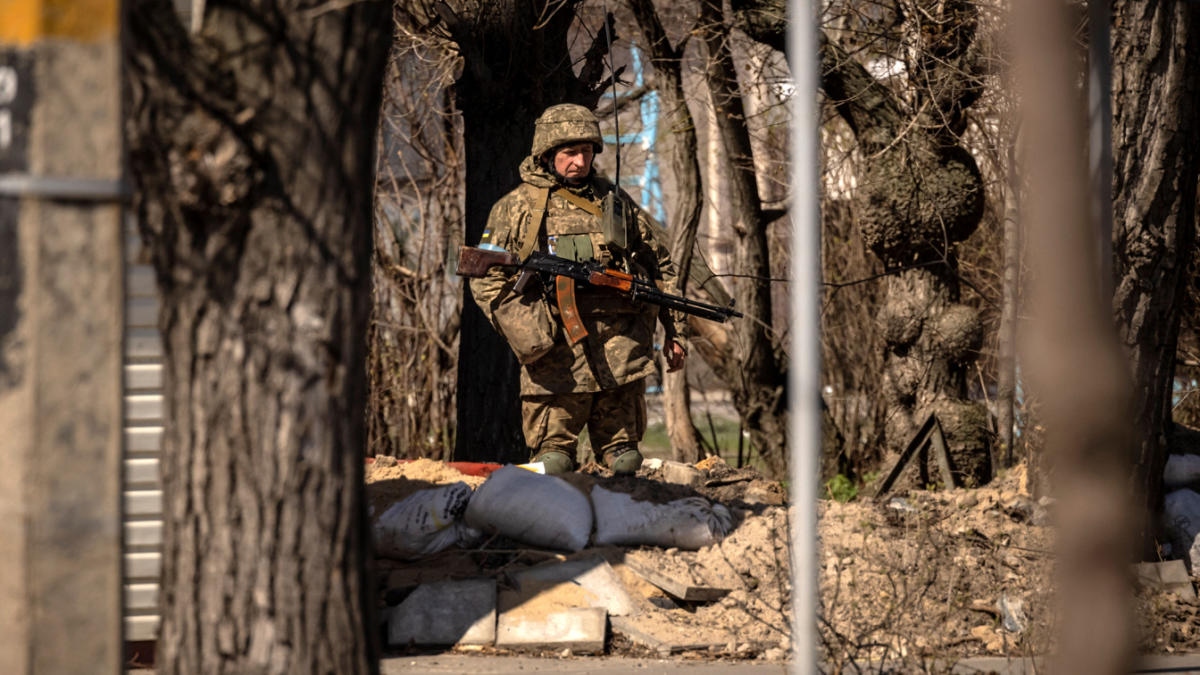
(575, 228)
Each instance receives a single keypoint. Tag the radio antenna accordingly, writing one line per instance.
(609, 20)
(615, 219)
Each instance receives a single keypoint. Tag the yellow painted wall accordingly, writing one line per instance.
(23, 22)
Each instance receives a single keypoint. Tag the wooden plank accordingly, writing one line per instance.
(143, 502)
(143, 439)
(144, 408)
(142, 627)
(143, 376)
(676, 587)
(142, 472)
(141, 596)
(144, 533)
(145, 565)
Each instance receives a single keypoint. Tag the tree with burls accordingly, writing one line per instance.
(918, 194)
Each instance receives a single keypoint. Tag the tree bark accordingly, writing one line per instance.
(252, 146)
(1156, 53)
(759, 379)
(1006, 366)
(677, 133)
(920, 193)
(516, 63)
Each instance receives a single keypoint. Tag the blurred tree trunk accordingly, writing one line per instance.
(757, 372)
(252, 146)
(1075, 364)
(1156, 96)
(516, 63)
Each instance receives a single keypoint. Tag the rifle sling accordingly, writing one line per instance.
(569, 311)
(535, 226)
(579, 201)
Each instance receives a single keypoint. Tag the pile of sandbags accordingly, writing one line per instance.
(546, 512)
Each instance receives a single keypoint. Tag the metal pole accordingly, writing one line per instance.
(804, 427)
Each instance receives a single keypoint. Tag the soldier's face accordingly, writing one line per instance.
(574, 162)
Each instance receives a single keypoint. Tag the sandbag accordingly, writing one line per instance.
(1181, 519)
(531, 508)
(1181, 471)
(691, 523)
(423, 523)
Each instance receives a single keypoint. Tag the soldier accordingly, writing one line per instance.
(598, 382)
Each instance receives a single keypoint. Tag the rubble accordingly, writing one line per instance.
(729, 598)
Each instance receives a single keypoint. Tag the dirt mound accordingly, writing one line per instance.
(389, 481)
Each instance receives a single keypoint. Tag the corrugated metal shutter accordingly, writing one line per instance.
(143, 391)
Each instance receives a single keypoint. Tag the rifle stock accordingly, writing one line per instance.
(475, 262)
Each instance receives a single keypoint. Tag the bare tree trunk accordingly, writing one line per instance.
(758, 377)
(920, 193)
(1076, 364)
(252, 144)
(516, 63)
(1156, 54)
(677, 132)
(1006, 376)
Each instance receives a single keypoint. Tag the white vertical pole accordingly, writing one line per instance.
(804, 430)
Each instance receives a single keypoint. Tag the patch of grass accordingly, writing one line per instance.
(841, 488)
(655, 443)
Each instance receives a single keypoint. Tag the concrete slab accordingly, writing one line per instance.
(580, 629)
(592, 574)
(1171, 576)
(446, 613)
(679, 473)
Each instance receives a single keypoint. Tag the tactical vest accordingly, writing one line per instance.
(569, 226)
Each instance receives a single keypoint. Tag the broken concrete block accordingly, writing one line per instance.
(667, 638)
(446, 613)
(580, 629)
(679, 473)
(593, 574)
(1170, 576)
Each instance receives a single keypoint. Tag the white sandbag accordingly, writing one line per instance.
(531, 508)
(1181, 513)
(691, 523)
(1181, 470)
(422, 523)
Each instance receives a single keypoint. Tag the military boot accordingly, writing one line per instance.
(623, 460)
(555, 461)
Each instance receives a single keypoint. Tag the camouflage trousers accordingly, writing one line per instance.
(614, 418)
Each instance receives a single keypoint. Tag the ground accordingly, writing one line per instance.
(915, 576)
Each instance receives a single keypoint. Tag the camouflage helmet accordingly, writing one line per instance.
(565, 123)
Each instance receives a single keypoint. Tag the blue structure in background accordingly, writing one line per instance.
(648, 181)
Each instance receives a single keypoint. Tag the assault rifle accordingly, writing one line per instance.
(475, 262)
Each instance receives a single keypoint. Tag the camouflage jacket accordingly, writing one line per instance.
(619, 347)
